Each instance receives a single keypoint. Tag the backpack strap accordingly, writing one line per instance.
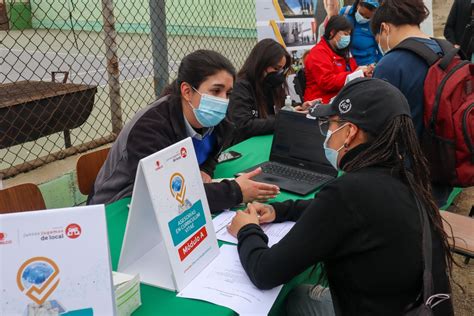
(447, 56)
(420, 49)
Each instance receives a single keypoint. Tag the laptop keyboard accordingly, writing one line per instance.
(292, 173)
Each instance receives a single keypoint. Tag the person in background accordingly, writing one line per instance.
(194, 105)
(260, 90)
(329, 62)
(364, 48)
(459, 17)
(364, 226)
(393, 22)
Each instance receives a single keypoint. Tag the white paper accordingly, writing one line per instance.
(224, 282)
(120, 278)
(356, 74)
(274, 231)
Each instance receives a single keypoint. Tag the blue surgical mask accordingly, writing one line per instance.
(331, 154)
(344, 41)
(211, 111)
(360, 19)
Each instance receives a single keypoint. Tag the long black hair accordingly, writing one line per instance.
(335, 24)
(266, 53)
(399, 12)
(397, 146)
(195, 68)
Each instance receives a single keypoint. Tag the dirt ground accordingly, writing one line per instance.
(464, 274)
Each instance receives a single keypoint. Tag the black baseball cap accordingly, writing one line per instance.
(368, 103)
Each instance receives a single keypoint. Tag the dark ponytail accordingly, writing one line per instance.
(196, 67)
(398, 146)
(399, 12)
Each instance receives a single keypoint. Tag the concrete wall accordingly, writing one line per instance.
(184, 17)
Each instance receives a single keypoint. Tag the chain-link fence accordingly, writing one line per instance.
(72, 72)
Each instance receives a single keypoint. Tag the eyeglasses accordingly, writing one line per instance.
(324, 125)
(279, 70)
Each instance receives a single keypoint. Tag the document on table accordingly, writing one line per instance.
(274, 231)
(356, 74)
(224, 282)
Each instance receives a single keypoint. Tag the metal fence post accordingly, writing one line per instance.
(159, 44)
(112, 64)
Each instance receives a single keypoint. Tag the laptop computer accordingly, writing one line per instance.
(297, 160)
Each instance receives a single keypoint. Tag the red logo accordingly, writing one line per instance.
(184, 152)
(73, 231)
(3, 239)
(158, 165)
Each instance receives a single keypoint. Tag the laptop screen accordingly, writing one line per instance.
(298, 142)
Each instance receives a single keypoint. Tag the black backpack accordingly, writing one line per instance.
(300, 83)
(467, 41)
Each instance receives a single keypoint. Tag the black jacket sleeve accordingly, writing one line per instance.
(450, 28)
(290, 210)
(209, 166)
(243, 112)
(223, 195)
(318, 235)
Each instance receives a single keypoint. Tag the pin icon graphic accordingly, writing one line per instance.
(37, 278)
(178, 187)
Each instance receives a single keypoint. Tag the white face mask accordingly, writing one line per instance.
(387, 41)
(360, 19)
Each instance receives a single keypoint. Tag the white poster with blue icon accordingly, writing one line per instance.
(55, 262)
(169, 237)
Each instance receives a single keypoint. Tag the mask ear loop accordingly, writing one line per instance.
(388, 41)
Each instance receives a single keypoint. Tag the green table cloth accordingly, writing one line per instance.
(156, 301)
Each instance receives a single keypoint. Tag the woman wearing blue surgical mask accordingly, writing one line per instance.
(330, 62)
(365, 226)
(194, 105)
(364, 47)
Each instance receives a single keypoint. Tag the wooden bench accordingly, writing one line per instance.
(463, 233)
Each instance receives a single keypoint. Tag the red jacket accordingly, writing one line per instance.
(325, 72)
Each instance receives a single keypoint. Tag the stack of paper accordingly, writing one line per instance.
(224, 282)
(127, 293)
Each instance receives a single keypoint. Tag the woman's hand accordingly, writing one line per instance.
(205, 177)
(256, 191)
(242, 218)
(266, 213)
(303, 108)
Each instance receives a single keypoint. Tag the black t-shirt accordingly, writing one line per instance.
(365, 227)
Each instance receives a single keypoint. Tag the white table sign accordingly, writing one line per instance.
(55, 262)
(169, 237)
